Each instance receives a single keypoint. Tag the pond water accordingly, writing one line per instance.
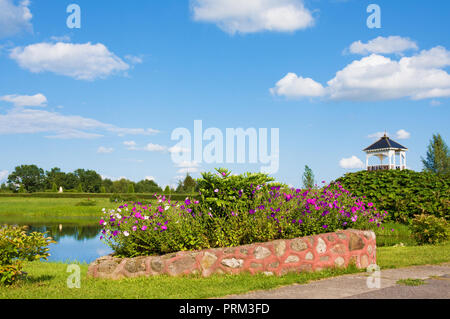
(73, 242)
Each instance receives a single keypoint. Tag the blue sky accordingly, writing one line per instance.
(108, 95)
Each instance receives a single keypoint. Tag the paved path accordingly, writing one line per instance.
(437, 286)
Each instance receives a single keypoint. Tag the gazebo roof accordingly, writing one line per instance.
(384, 143)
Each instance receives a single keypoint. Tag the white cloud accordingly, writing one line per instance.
(351, 163)
(129, 144)
(375, 78)
(402, 135)
(105, 150)
(294, 86)
(3, 175)
(25, 100)
(149, 178)
(132, 146)
(253, 15)
(59, 126)
(188, 167)
(186, 164)
(382, 45)
(435, 103)
(79, 61)
(376, 135)
(14, 18)
(186, 170)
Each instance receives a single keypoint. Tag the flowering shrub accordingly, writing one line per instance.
(428, 229)
(272, 213)
(223, 192)
(16, 245)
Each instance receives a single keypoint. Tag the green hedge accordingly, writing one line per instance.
(402, 193)
(93, 195)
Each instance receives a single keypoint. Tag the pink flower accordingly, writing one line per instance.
(144, 228)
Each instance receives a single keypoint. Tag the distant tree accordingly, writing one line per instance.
(54, 188)
(131, 188)
(70, 181)
(108, 185)
(103, 190)
(167, 190)
(31, 177)
(90, 180)
(120, 186)
(188, 185)
(80, 188)
(147, 186)
(54, 176)
(308, 178)
(438, 157)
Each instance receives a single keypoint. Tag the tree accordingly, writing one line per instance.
(438, 157)
(31, 177)
(120, 186)
(90, 180)
(80, 188)
(54, 188)
(131, 188)
(308, 178)
(187, 186)
(147, 186)
(103, 190)
(167, 190)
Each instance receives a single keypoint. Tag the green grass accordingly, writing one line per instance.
(48, 209)
(411, 282)
(395, 257)
(401, 234)
(48, 280)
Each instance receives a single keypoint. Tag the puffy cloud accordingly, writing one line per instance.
(294, 86)
(132, 146)
(30, 121)
(253, 15)
(351, 163)
(25, 100)
(149, 178)
(79, 61)
(3, 175)
(377, 77)
(376, 135)
(14, 18)
(105, 150)
(402, 135)
(382, 45)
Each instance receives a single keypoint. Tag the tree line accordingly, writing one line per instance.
(32, 179)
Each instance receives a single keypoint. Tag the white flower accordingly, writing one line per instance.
(119, 210)
(146, 217)
(166, 208)
(103, 209)
(126, 233)
(104, 224)
(118, 216)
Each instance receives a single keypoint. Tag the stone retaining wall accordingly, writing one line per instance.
(279, 257)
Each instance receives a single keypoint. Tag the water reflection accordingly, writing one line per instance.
(73, 242)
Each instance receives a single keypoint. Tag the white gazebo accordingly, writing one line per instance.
(386, 148)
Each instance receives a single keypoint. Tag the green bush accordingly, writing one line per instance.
(16, 246)
(428, 229)
(223, 192)
(402, 193)
(87, 202)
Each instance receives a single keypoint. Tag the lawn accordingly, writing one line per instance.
(50, 210)
(48, 280)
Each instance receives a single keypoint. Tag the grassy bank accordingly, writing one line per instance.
(48, 280)
(50, 210)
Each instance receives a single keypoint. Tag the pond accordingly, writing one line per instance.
(73, 242)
